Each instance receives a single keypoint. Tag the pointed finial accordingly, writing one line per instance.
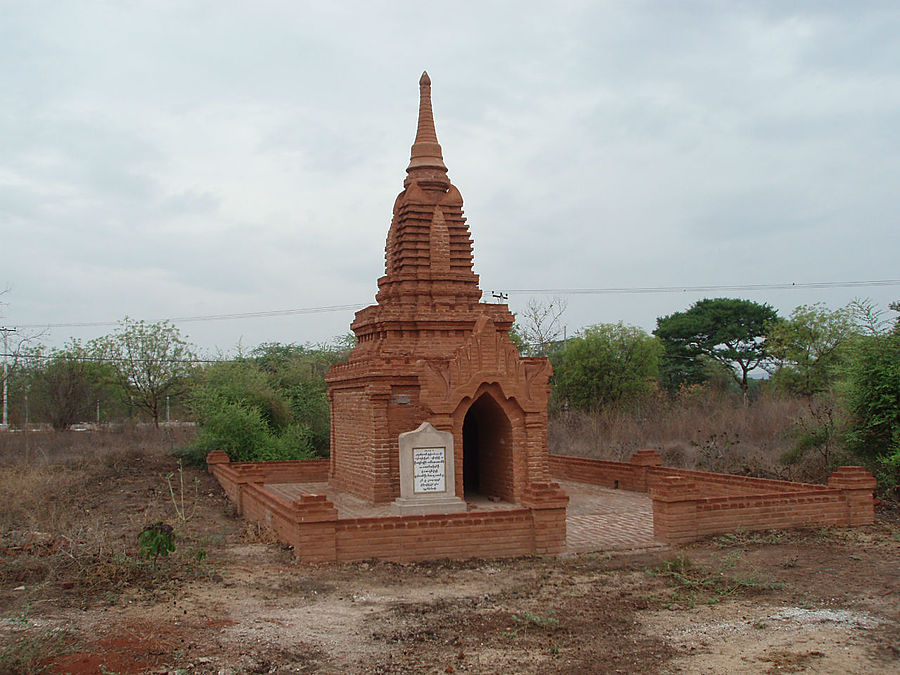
(426, 156)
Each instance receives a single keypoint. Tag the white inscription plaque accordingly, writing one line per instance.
(428, 470)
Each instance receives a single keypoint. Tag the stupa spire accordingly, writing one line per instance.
(426, 161)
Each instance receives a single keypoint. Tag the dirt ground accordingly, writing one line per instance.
(231, 600)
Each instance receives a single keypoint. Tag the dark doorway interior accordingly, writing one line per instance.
(487, 450)
(471, 484)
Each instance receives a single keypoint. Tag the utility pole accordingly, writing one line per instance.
(6, 331)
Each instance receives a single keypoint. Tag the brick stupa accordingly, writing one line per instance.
(430, 351)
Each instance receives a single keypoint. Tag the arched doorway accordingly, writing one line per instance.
(487, 450)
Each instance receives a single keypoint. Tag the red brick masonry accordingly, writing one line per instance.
(311, 524)
(687, 505)
(430, 351)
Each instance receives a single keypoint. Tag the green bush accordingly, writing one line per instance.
(874, 396)
(243, 382)
(888, 473)
(309, 405)
(606, 365)
(298, 372)
(874, 400)
(235, 428)
(294, 442)
(272, 406)
(156, 540)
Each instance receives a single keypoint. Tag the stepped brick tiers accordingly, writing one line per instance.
(439, 428)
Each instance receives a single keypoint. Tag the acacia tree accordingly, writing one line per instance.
(728, 330)
(152, 361)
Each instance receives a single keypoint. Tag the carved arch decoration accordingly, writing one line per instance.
(488, 356)
(513, 412)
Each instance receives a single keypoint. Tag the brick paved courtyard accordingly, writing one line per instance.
(598, 519)
(601, 519)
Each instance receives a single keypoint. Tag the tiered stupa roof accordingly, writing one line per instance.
(429, 288)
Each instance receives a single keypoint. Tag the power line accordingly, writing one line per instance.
(624, 290)
(694, 289)
(209, 317)
(106, 359)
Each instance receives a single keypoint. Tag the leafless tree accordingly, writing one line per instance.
(540, 324)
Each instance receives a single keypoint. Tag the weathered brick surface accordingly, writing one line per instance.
(294, 471)
(621, 475)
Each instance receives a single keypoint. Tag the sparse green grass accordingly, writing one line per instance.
(527, 618)
(693, 584)
(524, 621)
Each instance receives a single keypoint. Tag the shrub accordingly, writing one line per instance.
(243, 382)
(606, 365)
(309, 406)
(235, 428)
(294, 442)
(156, 540)
(874, 400)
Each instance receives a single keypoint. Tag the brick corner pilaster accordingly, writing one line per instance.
(215, 458)
(315, 520)
(674, 509)
(544, 495)
(642, 461)
(857, 486)
(547, 502)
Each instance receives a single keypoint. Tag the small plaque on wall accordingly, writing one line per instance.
(428, 470)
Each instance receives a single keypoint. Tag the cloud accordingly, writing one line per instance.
(196, 157)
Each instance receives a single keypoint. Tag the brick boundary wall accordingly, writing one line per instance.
(312, 526)
(293, 471)
(688, 505)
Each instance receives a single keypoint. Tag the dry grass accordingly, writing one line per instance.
(75, 503)
(47, 478)
(697, 429)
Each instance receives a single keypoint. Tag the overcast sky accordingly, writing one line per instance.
(171, 159)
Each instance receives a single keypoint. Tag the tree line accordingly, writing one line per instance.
(267, 403)
(845, 362)
(270, 402)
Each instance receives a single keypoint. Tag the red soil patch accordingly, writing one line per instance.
(134, 649)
